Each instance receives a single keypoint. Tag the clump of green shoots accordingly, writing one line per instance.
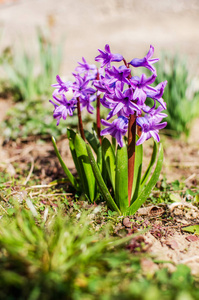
(64, 257)
(181, 96)
(29, 80)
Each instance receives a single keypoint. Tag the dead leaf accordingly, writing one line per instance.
(151, 210)
(192, 238)
(156, 211)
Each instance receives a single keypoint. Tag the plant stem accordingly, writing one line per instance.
(80, 119)
(131, 153)
(139, 131)
(98, 120)
(126, 64)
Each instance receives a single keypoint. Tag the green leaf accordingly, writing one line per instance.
(192, 229)
(99, 158)
(102, 186)
(71, 136)
(93, 140)
(109, 158)
(121, 178)
(113, 142)
(147, 190)
(175, 197)
(66, 170)
(137, 172)
(86, 173)
(150, 166)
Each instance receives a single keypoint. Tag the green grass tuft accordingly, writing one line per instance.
(180, 95)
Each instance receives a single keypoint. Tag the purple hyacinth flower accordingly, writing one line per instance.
(118, 74)
(85, 101)
(101, 85)
(155, 114)
(63, 107)
(141, 87)
(80, 86)
(106, 57)
(117, 129)
(150, 128)
(157, 92)
(108, 103)
(146, 61)
(122, 104)
(84, 67)
(61, 86)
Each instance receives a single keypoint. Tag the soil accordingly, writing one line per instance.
(130, 27)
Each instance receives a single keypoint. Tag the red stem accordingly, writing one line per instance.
(131, 153)
(131, 146)
(126, 64)
(80, 119)
(98, 119)
(139, 129)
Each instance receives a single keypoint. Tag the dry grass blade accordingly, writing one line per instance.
(30, 172)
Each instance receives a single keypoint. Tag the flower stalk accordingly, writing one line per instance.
(80, 119)
(98, 120)
(131, 153)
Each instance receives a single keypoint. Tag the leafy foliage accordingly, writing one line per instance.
(64, 257)
(32, 118)
(29, 80)
(180, 95)
(119, 170)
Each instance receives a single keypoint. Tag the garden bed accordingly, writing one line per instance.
(33, 160)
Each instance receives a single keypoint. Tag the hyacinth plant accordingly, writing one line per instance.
(113, 170)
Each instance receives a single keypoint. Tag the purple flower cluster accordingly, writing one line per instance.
(81, 90)
(126, 95)
(123, 94)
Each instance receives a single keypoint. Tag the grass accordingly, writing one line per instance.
(63, 256)
(173, 192)
(52, 246)
(29, 77)
(27, 118)
(29, 84)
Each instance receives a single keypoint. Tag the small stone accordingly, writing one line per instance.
(172, 244)
(127, 223)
